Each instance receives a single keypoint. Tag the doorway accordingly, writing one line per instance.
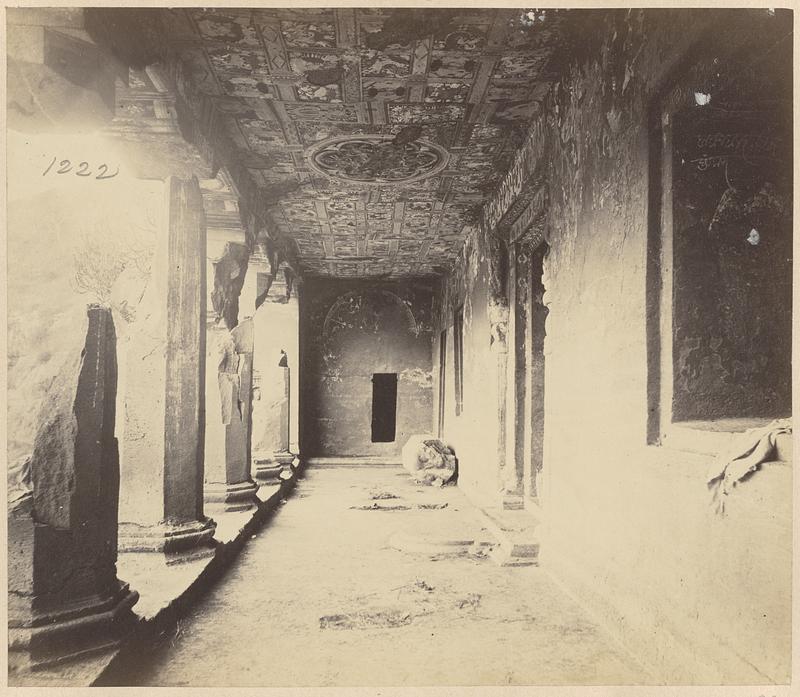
(442, 368)
(384, 407)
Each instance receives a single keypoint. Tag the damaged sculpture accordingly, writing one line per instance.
(430, 461)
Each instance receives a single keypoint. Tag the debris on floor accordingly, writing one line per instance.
(480, 550)
(366, 620)
(380, 605)
(399, 507)
(382, 495)
(471, 601)
(378, 507)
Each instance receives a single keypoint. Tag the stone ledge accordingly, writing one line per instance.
(366, 461)
(712, 438)
(516, 532)
(166, 591)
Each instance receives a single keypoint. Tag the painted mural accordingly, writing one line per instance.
(384, 129)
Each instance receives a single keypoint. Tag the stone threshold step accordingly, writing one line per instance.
(516, 533)
(353, 462)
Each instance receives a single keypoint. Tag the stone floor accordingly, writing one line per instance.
(364, 578)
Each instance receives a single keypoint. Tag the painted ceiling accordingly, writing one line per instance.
(376, 133)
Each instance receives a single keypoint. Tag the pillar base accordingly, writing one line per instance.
(268, 468)
(193, 539)
(43, 637)
(512, 501)
(232, 497)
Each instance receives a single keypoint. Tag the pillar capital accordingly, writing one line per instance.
(222, 184)
(227, 250)
(145, 128)
(224, 221)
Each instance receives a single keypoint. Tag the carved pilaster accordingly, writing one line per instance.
(277, 361)
(229, 364)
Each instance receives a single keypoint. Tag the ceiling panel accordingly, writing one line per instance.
(395, 125)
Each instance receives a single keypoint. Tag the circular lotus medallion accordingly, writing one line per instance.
(375, 159)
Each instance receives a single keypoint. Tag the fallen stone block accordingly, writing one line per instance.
(428, 460)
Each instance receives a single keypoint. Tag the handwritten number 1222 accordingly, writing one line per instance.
(82, 171)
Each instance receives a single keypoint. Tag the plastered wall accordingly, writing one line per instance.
(350, 331)
(627, 526)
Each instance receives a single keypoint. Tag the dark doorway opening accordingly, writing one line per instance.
(442, 367)
(384, 407)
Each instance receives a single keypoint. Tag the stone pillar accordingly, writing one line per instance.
(498, 322)
(497, 257)
(513, 495)
(276, 327)
(161, 500)
(256, 282)
(294, 366)
(229, 363)
(532, 415)
(535, 342)
(64, 598)
(270, 462)
(510, 475)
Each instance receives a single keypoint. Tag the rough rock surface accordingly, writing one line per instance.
(64, 596)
